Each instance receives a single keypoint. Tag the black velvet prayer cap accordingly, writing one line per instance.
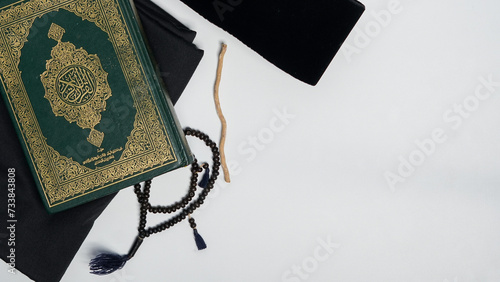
(45, 244)
(300, 37)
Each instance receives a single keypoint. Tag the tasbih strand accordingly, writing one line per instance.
(185, 203)
(108, 263)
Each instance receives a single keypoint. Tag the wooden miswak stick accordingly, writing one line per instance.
(227, 178)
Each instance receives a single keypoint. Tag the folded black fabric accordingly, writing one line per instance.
(148, 9)
(46, 243)
(300, 37)
(179, 61)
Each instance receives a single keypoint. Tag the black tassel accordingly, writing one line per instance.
(204, 180)
(108, 263)
(200, 243)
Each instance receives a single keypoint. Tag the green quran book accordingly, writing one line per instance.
(85, 98)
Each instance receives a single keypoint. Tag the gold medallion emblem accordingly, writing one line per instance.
(76, 85)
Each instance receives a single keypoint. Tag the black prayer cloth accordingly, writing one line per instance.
(300, 37)
(45, 244)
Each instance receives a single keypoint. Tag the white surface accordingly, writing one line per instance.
(321, 177)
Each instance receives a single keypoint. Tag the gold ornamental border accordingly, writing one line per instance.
(62, 179)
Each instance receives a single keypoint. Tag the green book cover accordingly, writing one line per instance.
(85, 99)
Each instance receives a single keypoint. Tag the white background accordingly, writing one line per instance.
(323, 176)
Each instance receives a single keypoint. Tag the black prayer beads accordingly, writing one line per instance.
(187, 205)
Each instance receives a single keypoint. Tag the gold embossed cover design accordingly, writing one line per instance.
(85, 99)
(76, 85)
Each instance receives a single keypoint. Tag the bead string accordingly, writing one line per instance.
(187, 204)
(107, 263)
